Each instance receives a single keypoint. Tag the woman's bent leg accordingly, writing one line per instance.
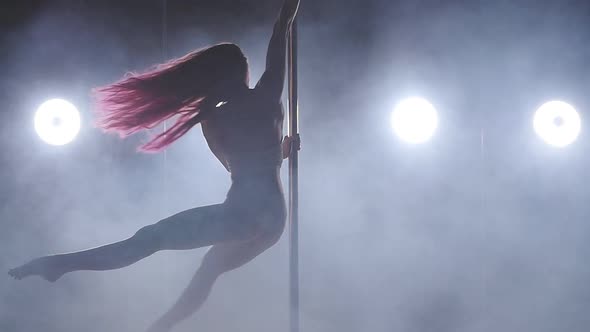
(219, 259)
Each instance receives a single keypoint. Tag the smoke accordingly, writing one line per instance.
(461, 234)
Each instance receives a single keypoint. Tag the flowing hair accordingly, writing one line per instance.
(175, 89)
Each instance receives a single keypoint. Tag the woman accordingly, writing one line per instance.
(243, 128)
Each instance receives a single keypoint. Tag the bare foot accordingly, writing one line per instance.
(161, 326)
(42, 267)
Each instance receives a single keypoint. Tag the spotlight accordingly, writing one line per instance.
(414, 120)
(557, 123)
(57, 122)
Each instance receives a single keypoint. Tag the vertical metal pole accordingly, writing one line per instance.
(293, 183)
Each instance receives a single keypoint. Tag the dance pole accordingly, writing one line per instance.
(293, 182)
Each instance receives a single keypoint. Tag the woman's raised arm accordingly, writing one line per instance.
(273, 79)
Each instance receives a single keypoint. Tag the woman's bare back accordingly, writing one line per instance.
(245, 133)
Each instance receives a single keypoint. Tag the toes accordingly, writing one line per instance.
(14, 274)
(35, 268)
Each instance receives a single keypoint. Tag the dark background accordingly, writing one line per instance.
(460, 234)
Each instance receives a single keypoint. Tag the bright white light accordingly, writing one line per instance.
(557, 123)
(414, 120)
(57, 122)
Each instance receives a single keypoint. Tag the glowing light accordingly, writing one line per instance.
(557, 123)
(414, 120)
(57, 122)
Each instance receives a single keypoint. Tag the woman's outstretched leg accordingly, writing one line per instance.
(190, 229)
(219, 259)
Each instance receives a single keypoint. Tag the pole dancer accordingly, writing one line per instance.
(244, 130)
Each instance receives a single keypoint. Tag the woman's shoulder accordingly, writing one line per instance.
(266, 103)
(263, 97)
(252, 104)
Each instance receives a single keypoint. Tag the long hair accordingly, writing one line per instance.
(177, 88)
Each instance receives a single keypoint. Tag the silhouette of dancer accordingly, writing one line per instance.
(243, 128)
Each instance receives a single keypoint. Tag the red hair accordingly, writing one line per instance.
(177, 88)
